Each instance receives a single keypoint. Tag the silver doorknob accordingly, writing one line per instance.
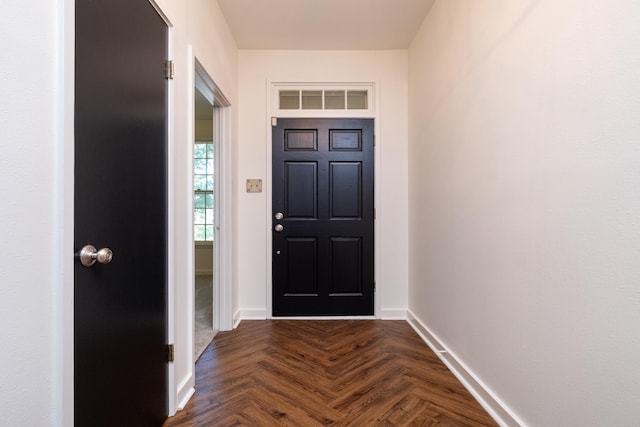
(89, 255)
(279, 215)
(279, 228)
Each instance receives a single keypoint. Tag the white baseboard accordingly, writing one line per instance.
(186, 398)
(324, 318)
(494, 406)
(186, 389)
(236, 319)
(251, 315)
(393, 314)
(385, 314)
(262, 315)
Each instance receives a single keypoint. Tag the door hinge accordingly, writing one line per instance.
(374, 286)
(274, 121)
(374, 140)
(170, 353)
(168, 69)
(374, 214)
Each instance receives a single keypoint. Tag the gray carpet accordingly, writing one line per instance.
(204, 331)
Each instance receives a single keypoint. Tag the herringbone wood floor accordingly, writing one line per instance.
(326, 373)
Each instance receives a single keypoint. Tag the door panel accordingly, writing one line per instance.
(345, 190)
(301, 184)
(302, 140)
(323, 186)
(302, 263)
(120, 202)
(346, 266)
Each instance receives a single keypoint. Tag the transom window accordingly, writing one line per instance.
(341, 99)
(323, 100)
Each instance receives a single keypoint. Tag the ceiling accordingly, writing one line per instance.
(324, 24)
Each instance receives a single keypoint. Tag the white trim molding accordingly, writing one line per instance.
(371, 112)
(185, 397)
(487, 399)
(236, 319)
(222, 192)
(257, 314)
(65, 339)
(393, 314)
(171, 216)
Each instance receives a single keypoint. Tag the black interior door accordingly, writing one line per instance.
(120, 203)
(323, 218)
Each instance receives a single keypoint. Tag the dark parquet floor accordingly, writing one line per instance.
(326, 373)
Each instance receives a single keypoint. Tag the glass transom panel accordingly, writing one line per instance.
(323, 99)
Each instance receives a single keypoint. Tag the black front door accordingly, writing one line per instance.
(120, 311)
(323, 217)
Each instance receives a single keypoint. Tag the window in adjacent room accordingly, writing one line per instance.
(203, 191)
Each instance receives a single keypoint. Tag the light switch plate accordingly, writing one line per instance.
(254, 186)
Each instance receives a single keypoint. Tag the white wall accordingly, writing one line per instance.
(30, 213)
(203, 130)
(389, 70)
(36, 185)
(200, 31)
(203, 258)
(525, 201)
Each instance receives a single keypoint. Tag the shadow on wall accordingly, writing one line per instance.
(204, 258)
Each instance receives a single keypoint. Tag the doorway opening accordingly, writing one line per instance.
(203, 221)
(207, 212)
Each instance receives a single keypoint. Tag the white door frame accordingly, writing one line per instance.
(372, 112)
(223, 317)
(200, 78)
